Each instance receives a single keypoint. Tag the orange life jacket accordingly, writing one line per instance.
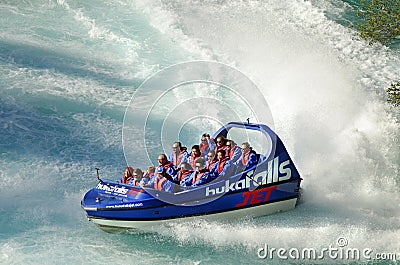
(129, 176)
(193, 160)
(197, 176)
(245, 157)
(232, 151)
(166, 167)
(126, 180)
(221, 148)
(136, 183)
(210, 166)
(159, 183)
(176, 159)
(203, 147)
(221, 164)
(183, 175)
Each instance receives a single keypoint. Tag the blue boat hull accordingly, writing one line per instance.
(271, 187)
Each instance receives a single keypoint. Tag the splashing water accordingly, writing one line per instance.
(68, 69)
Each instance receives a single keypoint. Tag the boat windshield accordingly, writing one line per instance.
(258, 141)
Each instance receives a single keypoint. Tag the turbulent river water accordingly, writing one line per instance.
(69, 68)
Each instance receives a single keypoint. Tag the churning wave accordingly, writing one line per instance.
(68, 71)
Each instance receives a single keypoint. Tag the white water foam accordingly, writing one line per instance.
(317, 78)
(325, 87)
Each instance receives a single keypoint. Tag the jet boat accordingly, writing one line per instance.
(270, 187)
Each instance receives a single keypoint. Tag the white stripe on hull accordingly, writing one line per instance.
(266, 209)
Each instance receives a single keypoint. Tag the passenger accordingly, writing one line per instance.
(248, 159)
(194, 155)
(178, 155)
(169, 169)
(127, 176)
(185, 170)
(150, 173)
(137, 177)
(147, 176)
(161, 182)
(233, 151)
(223, 167)
(207, 144)
(211, 160)
(221, 143)
(198, 177)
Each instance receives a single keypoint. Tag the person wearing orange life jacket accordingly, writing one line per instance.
(147, 176)
(198, 177)
(211, 160)
(169, 168)
(206, 145)
(127, 176)
(223, 167)
(248, 159)
(194, 155)
(179, 154)
(137, 177)
(221, 143)
(160, 181)
(185, 171)
(233, 151)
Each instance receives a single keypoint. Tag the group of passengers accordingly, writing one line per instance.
(207, 161)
